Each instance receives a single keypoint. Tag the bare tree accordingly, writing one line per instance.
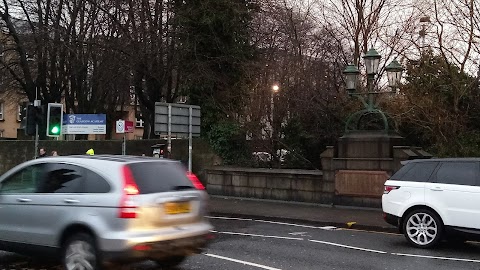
(302, 59)
(66, 50)
(388, 25)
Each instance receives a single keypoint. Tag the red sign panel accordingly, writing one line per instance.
(129, 127)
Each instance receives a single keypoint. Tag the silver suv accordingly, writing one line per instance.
(89, 211)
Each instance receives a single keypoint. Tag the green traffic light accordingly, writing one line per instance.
(55, 130)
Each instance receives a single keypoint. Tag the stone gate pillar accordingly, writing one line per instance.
(361, 162)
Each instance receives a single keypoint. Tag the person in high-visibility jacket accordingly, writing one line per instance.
(90, 152)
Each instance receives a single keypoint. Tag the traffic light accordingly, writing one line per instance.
(31, 119)
(54, 119)
(33, 116)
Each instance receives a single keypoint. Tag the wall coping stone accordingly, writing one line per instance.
(374, 159)
(263, 170)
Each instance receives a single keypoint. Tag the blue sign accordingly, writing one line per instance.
(84, 119)
(84, 124)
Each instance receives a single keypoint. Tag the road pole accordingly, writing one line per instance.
(36, 140)
(169, 138)
(36, 103)
(124, 145)
(190, 112)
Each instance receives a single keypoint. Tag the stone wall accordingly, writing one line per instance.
(16, 152)
(275, 184)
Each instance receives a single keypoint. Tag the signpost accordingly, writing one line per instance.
(179, 120)
(122, 127)
(84, 124)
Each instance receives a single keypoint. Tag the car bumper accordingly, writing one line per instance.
(159, 250)
(392, 219)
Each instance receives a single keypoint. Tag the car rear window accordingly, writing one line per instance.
(400, 173)
(415, 172)
(154, 177)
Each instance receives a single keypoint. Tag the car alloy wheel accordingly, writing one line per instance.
(80, 254)
(423, 228)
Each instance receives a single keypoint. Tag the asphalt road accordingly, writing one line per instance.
(256, 244)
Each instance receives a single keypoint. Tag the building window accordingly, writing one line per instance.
(182, 99)
(139, 122)
(2, 106)
(21, 111)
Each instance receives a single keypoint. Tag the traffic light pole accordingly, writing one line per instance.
(36, 140)
(36, 103)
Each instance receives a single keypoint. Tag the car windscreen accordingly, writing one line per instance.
(154, 177)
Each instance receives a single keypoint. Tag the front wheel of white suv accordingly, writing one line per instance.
(423, 228)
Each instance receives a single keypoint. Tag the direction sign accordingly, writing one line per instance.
(179, 119)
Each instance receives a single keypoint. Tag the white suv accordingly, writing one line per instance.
(432, 198)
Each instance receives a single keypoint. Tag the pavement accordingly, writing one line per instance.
(316, 214)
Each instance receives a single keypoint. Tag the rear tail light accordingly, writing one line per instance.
(142, 247)
(387, 189)
(128, 206)
(195, 181)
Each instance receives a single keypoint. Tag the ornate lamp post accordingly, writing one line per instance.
(351, 76)
(394, 74)
(372, 61)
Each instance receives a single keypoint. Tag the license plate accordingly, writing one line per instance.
(174, 208)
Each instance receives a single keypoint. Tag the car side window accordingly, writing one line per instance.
(24, 181)
(457, 173)
(94, 183)
(62, 178)
(420, 172)
(403, 170)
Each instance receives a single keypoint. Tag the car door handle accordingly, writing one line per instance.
(23, 200)
(71, 201)
(436, 189)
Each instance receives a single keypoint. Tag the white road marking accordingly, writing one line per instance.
(259, 235)
(438, 258)
(275, 222)
(349, 247)
(230, 218)
(294, 225)
(368, 231)
(331, 243)
(298, 233)
(242, 262)
(329, 228)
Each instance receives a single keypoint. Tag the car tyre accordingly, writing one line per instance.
(423, 228)
(80, 252)
(171, 262)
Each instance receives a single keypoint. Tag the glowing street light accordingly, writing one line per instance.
(275, 88)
